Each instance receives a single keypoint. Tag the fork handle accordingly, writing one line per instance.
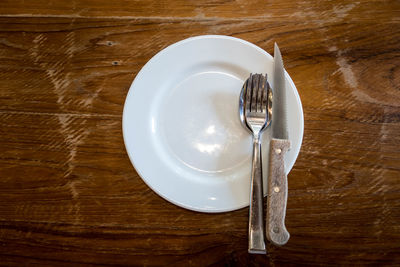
(277, 193)
(256, 225)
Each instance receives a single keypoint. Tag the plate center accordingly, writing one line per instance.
(199, 122)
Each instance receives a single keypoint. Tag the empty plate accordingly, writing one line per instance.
(181, 123)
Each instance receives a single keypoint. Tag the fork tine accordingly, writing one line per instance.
(254, 87)
(260, 90)
(248, 94)
(264, 95)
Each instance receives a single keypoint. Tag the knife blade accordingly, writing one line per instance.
(276, 231)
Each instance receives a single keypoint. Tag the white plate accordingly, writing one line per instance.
(181, 123)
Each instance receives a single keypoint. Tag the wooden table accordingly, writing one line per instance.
(69, 194)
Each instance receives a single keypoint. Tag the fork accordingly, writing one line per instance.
(255, 108)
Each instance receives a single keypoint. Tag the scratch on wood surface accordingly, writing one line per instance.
(70, 44)
(72, 188)
(336, 14)
(344, 67)
(384, 131)
(342, 11)
(362, 96)
(305, 14)
(346, 71)
(88, 101)
(34, 51)
(60, 82)
(350, 77)
(74, 133)
(40, 38)
(73, 138)
(332, 48)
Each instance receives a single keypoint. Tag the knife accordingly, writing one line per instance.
(277, 180)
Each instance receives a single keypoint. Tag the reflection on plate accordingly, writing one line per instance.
(181, 124)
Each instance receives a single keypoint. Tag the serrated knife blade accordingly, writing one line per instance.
(279, 113)
(276, 231)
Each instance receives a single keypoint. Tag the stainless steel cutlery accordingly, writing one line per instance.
(255, 114)
(258, 106)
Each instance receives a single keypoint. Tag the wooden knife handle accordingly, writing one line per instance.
(277, 193)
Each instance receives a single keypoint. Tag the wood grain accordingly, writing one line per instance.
(275, 229)
(69, 194)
